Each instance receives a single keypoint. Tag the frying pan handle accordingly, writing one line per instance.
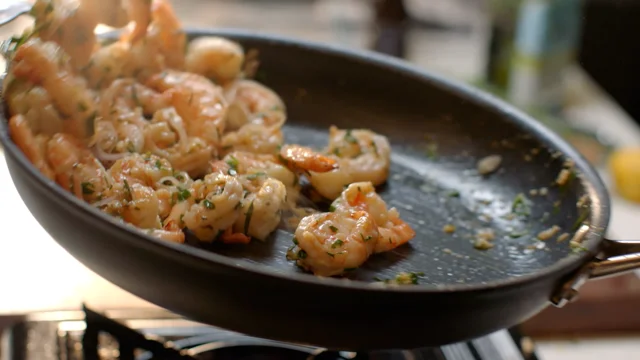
(617, 257)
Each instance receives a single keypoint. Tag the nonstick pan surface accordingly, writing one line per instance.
(439, 130)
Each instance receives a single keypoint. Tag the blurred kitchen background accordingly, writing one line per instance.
(572, 64)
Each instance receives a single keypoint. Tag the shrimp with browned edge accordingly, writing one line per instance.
(362, 196)
(197, 100)
(33, 146)
(361, 155)
(330, 244)
(252, 102)
(306, 159)
(44, 64)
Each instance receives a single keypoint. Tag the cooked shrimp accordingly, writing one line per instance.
(246, 163)
(111, 13)
(304, 158)
(252, 102)
(215, 57)
(197, 100)
(142, 207)
(166, 31)
(121, 128)
(44, 64)
(254, 138)
(148, 170)
(124, 96)
(261, 207)
(107, 64)
(123, 60)
(361, 155)
(214, 206)
(69, 24)
(176, 236)
(362, 196)
(166, 136)
(329, 244)
(139, 11)
(33, 146)
(76, 169)
(35, 104)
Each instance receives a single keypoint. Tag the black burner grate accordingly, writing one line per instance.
(89, 335)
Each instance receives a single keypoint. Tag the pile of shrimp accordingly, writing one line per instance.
(172, 136)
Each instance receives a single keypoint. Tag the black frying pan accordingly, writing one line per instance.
(463, 293)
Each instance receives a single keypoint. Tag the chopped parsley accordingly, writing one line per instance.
(403, 278)
(208, 204)
(255, 176)
(302, 254)
(247, 220)
(159, 164)
(348, 137)
(183, 194)
(127, 190)
(333, 228)
(521, 206)
(87, 188)
(365, 238)
(332, 208)
(295, 240)
(337, 244)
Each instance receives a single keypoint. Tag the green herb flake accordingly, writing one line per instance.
(208, 204)
(348, 137)
(333, 228)
(454, 193)
(87, 188)
(518, 234)
(233, 162)
(365, 238)
(295, 240)
(130, 147)
(134, 95)
(247, 220)
(183, 194)
(432, 150)
(127, 190)
(255, 176)
(302, 254)
(520, 205)
(159, 164)
(336, 244)
(581, 219)
(332, 208)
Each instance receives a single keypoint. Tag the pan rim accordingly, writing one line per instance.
(594, 186)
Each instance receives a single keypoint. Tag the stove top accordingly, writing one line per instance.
(159, 335)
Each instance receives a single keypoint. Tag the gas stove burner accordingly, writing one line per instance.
(160, 335)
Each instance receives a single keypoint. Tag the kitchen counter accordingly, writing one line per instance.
(36, 274)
